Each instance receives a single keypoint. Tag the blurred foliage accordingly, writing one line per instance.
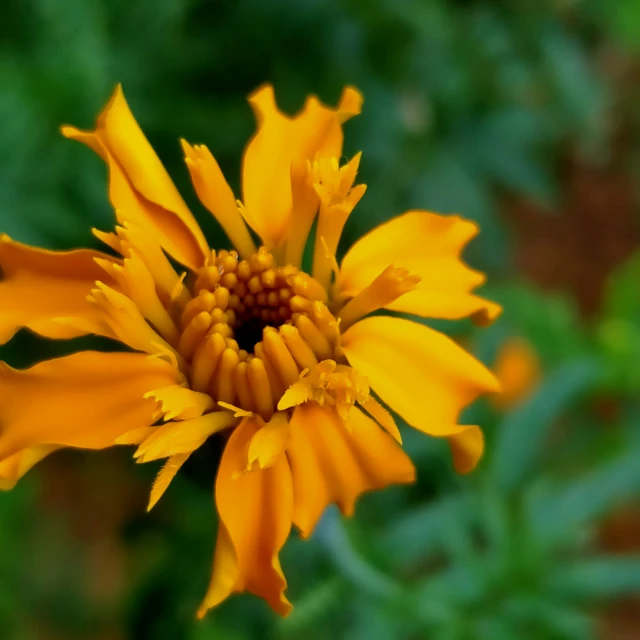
(465, 102)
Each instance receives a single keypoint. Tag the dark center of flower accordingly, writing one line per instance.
(251, 327)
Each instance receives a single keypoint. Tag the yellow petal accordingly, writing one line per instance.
(255, 511)
(185, 436)
(47, 290)
(336, 462)
(128, 325)
(15, 466)
(266, 173)
(128, 237)
(165, 476)
(269, 442)
(136, 281)
(382, 417)
(419, 373)
(136, 436)
(84, 400)
(450, 306)
(467, 447)
(216, 195)
(140, 188)
(181, 403)
(429, 246)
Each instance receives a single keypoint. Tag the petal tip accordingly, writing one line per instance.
(351, 101)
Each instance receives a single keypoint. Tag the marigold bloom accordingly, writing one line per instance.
(243, 341)
(518, 369)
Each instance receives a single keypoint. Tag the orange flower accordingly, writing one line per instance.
(244, 342)
(518, 370)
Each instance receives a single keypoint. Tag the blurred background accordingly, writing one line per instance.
(522, 115)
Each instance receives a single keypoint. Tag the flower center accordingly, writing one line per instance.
(251, 328)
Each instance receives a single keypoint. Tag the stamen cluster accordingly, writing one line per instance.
(252, 328)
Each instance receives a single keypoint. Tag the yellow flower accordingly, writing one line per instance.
(519, 370)
(244, 342)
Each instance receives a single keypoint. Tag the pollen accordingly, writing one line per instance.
(251, 328)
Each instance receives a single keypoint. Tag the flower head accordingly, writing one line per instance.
(291, 368)
(519, 370)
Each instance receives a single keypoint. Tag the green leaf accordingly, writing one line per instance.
(622, 293)
(354, 567)
(419, 534)
(597, 578)
(623, 19)
(562, 511)
(550, 618)
(447, 185)
(320, 601)
(523, 433)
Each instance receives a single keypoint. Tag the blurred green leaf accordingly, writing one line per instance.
(355, 568)
(561, 511)
(419, 534)
(523, 432)
(551, 619)
(318, 602)
(595, 579)
(623, 19)
(622, 294)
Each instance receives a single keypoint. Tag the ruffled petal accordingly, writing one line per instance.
(46, 291)
(428, 245)
(15, 466)
(129, 326)
(84, 400)
(174, 438)
(216, 195)
(181, 403)
(140, 188)
(333, 461)
(269, 442)
(421, 374)
(255, 511)
(315, 132)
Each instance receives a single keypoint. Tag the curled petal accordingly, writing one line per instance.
(419, 373)
(255, 512)
(428, 245)
(46, 291)
(84, 400)
(140, 188)
(280, 139)
(333, 461)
